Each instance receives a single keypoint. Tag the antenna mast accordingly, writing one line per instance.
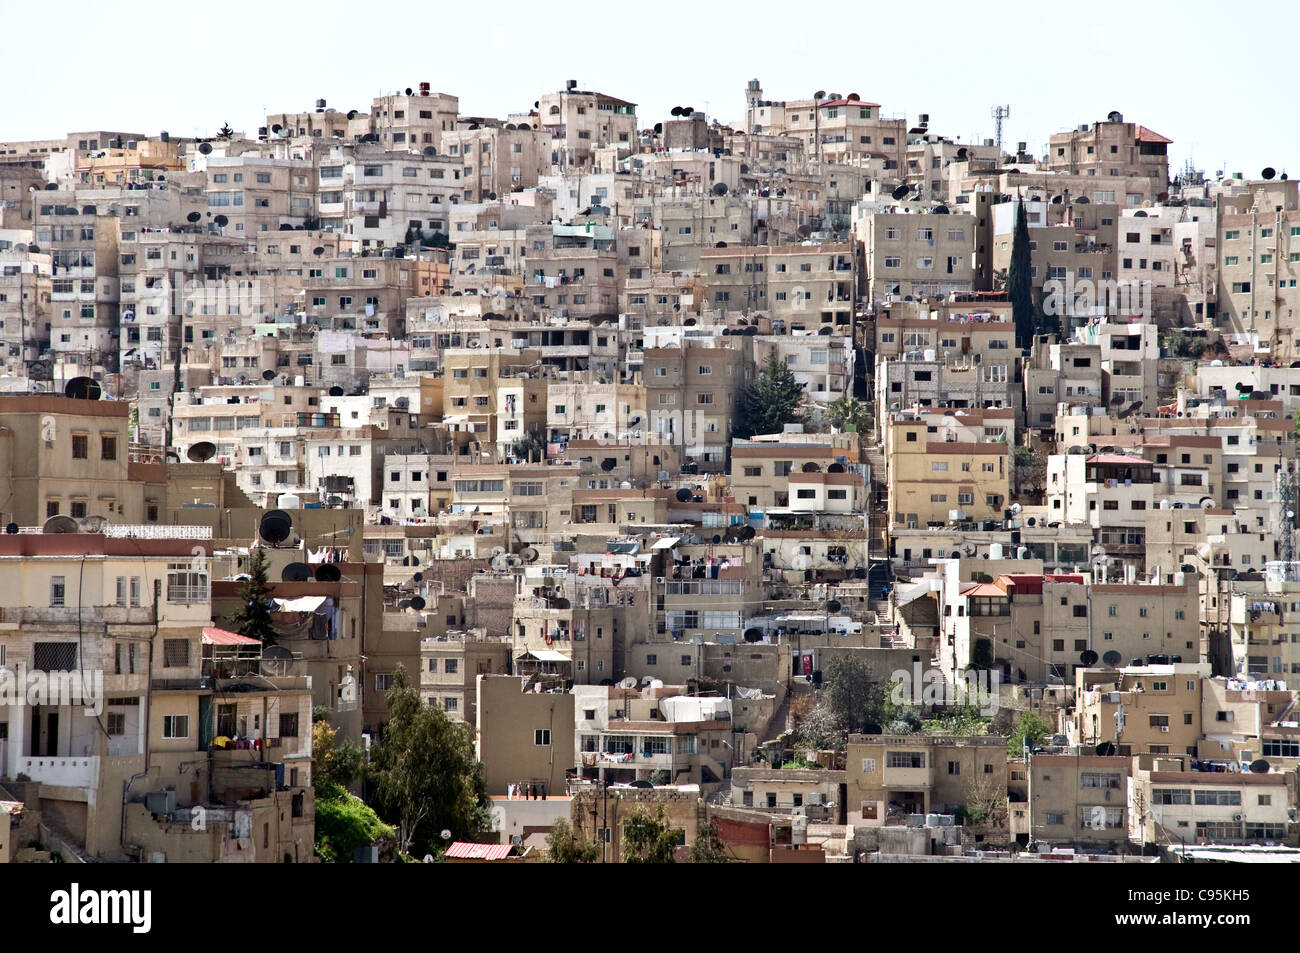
(1000, 113)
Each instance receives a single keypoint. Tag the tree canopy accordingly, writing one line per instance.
(426, 777)
(1031, 729)
(1020, 281)
(565, 845)
(648, 838)
(771, 401)
(253, 617)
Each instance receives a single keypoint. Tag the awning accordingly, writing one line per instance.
(215, 636)
(543, 655)
(301, 604)
(479, 851)
(668, 542)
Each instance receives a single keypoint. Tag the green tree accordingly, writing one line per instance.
(425, 774)
(771, 401)
(849, 411)
(648, 838)
(253, 617)
(343, 823)
(1031, 729)
(1020, 281)
(334, 762)
(708, 847)
(857, 700)
(564, 845)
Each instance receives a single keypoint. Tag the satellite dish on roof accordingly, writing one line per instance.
(1268, 172)
(296, 572)
(941, 210)
(60, 525)
(221, 221)
(336, 391)
(683, 495)
(1139, 214)
(277, 653)
(1082, 200)
(901, 192)
(275, 526)
(328, 572)
(720, 188)
(418, 603)
(1259, 766)
(675, 111)
(1112, 658)
(92, 524)
(1088, 657)
(430, 151)
(352, 114)
(202, 452)
(820, 94)
(268, 375)
(12, 529)
(833, 605)
(83, 388)
(205, 148)
(193, 217)
(529, 554)
(1106, 749)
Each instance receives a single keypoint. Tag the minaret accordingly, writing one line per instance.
(753, 95)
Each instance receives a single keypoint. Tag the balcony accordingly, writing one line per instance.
(61, 772)
(909, 778)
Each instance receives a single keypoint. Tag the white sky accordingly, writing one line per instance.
(1216, 78)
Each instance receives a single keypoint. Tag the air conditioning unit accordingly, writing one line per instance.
(1164, 728)
(659, 580)
(1237, 817)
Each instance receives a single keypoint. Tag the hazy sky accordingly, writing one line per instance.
(1216, 78)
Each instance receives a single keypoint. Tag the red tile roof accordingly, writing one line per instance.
(479, 851)
(1146, 135)
(215, 636)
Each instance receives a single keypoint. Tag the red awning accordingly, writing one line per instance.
(479, 851)
(215, 636)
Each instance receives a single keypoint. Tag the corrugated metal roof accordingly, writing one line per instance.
(215, 636)
(466, 851)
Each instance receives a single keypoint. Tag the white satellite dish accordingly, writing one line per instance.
(629, 682)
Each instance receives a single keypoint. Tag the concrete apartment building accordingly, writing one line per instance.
(1258, 242)
(1113, 148)
(1146, 709)
(1079, 799)
(805, 287)
(414, 119)
(1063, 379)
(922, 256)
(823, 364)
(497, 159)
(450, 666)
(692, 395)
(256, 193)
(572, 270)
(1170, 801)
(764, 473)
(582, 121)
(832, 128)
(890, 776)
(932, 478)
(377, 197)
(524, 737)
(25, 299)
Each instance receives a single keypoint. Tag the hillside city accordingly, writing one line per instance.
(387, 484)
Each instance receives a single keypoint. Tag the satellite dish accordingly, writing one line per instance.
(275, 526)
(92, 524)
(833, 605)
(335, 391)
(1259, 766)
(941, 210)
(608, 464)
(820, 94)
(328, 572)
(12, 529)
(60, 524)
(446, 834)
(202, 452)
(659, 128)
(517, 839)
(418, 577)
(628, 682)
(1106, 749)
(296, 572)
(529, 554)
(676, 111)
(1112, 658)
(193, 217)
(720, 188)
(277, 653)
(683, 495)
(220, 221)
(1082, 200)
(1088, 657)
(417, 603)
(83, 388)
(268, 375)
(430, 151)
(205, 148)
(1268, 172)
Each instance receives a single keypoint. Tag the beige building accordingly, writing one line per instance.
(450, 666)
(524, 737)
(890, 776)
(1113, 148)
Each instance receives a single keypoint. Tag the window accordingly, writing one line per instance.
(80, 446)
(954, 767)
(176, 726)
(451, 666)
(289, 724)
(905, 759)
(54, 656)
(542, 737)
(58, 590)
(186, 584)
(176, 653)
(108, 446)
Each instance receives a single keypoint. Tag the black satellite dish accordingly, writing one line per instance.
(336, 391)
(820, 94)
(220, 221)
(1139, 214)
(747, 533)
(193, 217)
(683, 495)
(418, 577)
(408, 90)
(295, 572)
(608, 464)
(744, 169)
(12, 529)
(1268, 172)
(961, 153)
(753, 635)
(1106, 749)
(1088, 657)
(675, 111)
(1112, 658)
(275, 526)
(430, 151)
(941, 210)
(352, 114)
(1082, 200)
(327, 572)
(659, 128)
(417, 603)
(83, 388)
(561, 603)
(901, 192)
(205, 148)
(720, 188)
(202, 452)
(268, 375)
(833, 605)
(1259, 766)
